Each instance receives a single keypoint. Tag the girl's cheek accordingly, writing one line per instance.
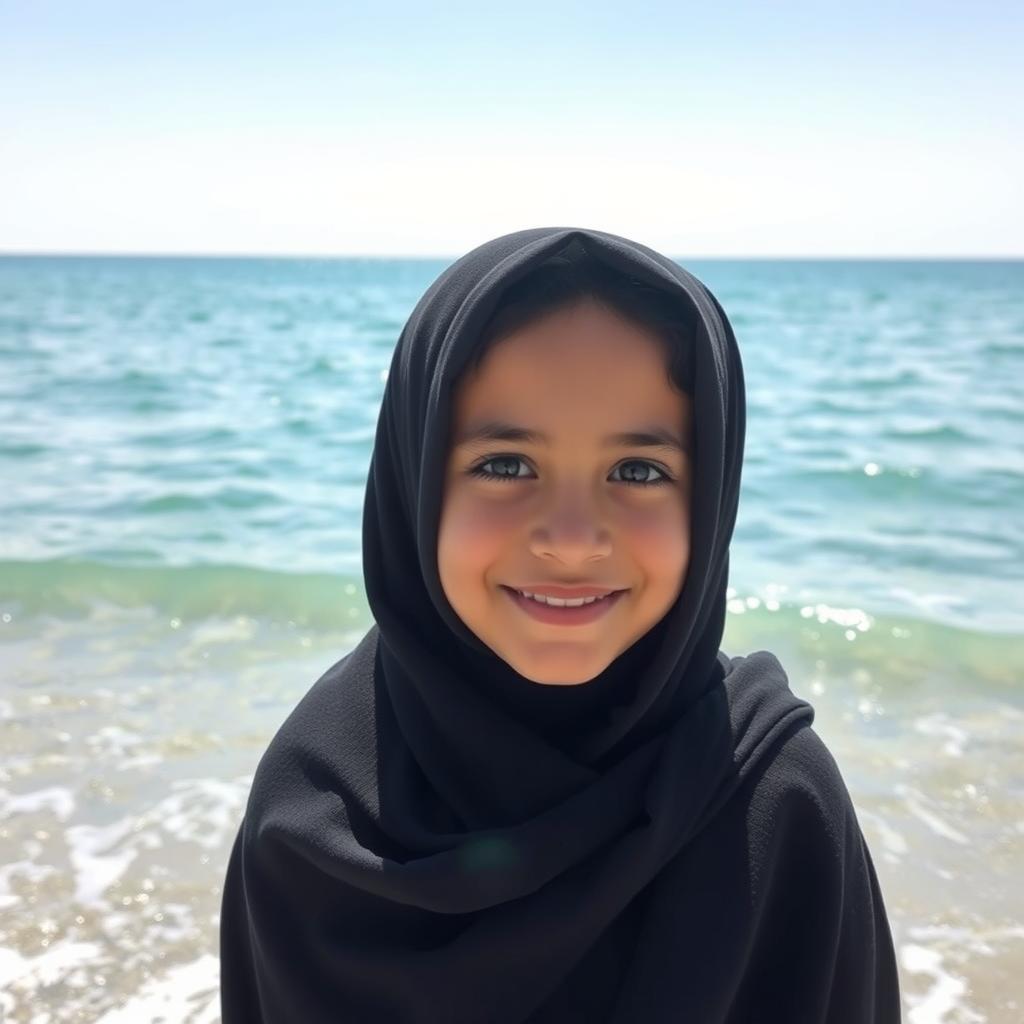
(659, 534)
(472, 529)
(655, 520)
(475, 514)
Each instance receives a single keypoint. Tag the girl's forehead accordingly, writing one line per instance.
(608, 380)
(578, 345)
(539, 401)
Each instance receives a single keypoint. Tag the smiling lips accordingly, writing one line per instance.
(566, 593)
(588, 603)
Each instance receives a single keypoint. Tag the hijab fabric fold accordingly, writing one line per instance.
(432, 837)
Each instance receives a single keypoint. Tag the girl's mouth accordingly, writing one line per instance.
(565, 615)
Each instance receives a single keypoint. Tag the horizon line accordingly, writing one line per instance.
(151, 254)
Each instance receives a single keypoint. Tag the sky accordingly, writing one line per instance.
(324, 128)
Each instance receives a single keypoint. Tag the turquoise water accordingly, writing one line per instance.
(205, 417)
(183, 452)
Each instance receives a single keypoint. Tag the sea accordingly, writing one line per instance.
(183, 453)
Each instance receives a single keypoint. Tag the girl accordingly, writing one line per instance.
(537, 791)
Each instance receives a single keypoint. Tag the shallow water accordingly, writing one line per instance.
(182, 460)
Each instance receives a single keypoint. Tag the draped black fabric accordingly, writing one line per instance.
(431, 837)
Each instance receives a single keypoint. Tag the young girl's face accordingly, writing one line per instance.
(573, 505)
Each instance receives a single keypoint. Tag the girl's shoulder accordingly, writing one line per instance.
(799, 796)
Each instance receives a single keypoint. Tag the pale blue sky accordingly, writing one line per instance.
(797, 129)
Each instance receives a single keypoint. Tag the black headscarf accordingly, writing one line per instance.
(431, 837)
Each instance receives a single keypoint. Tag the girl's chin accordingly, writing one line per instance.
(559, 672)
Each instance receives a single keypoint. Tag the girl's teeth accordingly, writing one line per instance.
(573, 602)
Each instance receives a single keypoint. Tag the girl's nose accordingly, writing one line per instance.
(571, 528)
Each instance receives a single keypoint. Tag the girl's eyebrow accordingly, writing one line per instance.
(648, 437)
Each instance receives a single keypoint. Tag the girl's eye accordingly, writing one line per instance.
(638, 475)
(498, 460)
(641, 466)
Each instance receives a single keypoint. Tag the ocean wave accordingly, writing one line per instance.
(74, 588)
